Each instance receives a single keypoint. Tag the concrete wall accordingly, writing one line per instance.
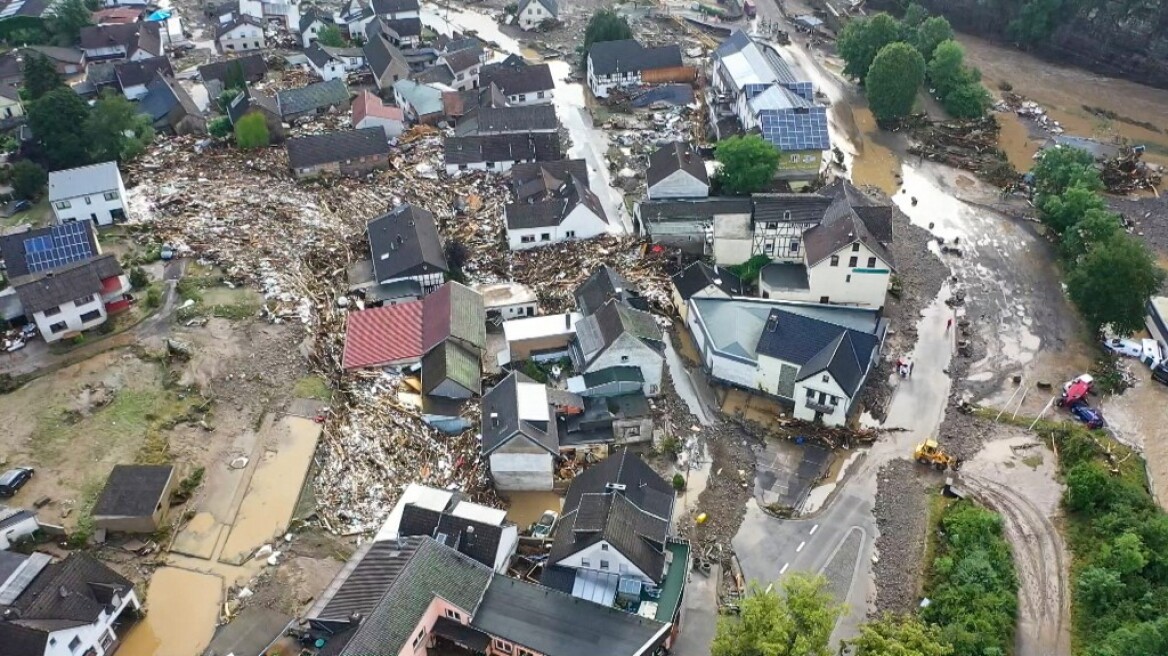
(630, 351)
(517, 472)
(852, 281)
(679, 184)
(770, 372)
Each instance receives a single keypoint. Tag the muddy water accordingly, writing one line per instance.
(873, 163)
(182, 608)
(525, 508)
(1015, 139)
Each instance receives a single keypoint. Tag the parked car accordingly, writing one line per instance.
(12, 480)
(1160, 373)
(546, 524)
(1082, 378)
(1088, 415)
(1129, 347)
(1074, 393)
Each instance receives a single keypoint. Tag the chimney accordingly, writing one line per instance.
(567, 321)
(772, 323)
(495, 419)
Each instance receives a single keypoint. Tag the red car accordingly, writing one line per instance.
(1077, 392)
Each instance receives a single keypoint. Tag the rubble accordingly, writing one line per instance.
(1127, 172)
(902, 514)
(971, 145)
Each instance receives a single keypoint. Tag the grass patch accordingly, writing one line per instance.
(312, 387)
(1033, 461)
(231, 311)
(81, 533)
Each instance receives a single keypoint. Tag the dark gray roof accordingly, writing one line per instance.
(405, 242)
(363, 581)
(789, 208)
(159, 100)
(475, 539)
(133, 490)
(315, 96)
(101, 73)
(786, 275)
(534, 180)
(599, 330)
(317, 55)
(551, 5)
(436, 74)
(703, 209)
(433, 571)
(394, 6)
(878, 220)
(131, 36)
(310, 16)
(72, 242)
(539, 147)
(68, 593)
(133, 73)
(380, 53)
(503, 120)
(515, 80)
(48, 289)
(246, 101)
(674, 157)
(404, 27)
(236, 21)
(627, 55)
(551, 622)
(318, 149)
(551, 212)
(461, 60)
(815, 345)
(699, 275)
(501, 423)
(842, 225)
(604, 284)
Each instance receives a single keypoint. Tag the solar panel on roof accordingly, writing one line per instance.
(65, 244)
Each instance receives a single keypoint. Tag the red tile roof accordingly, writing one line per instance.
(383, 336)
(366, 104)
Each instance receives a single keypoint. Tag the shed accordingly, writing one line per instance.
(135, 498)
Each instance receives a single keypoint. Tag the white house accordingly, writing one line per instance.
(700, 280)
(16, 524)
(520, 82)
(676, 171)
(10, 105)
(532, 13)
(574, 212)
(240, 34)
(355, 15)
(520, 437)
(368, 111)
(311, 25)
(334, 63)
(93, 192)
(73, 298)
(626, 63)
(617, 335)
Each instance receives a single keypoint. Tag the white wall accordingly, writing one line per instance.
(581, 223)
(602, 84)
(92, 206)
(732, 239)
(679, 184)
(91, 635)
(775, 242)
(522, 471)
(817, 386)
(630, 351)
(70, 313)
(496, 167)
(769, 371)
(844, 285)
(398, 15)
(508, 541)
(535, 98)
(10, 108)
(309, 35)
(242, 39)
(332, 70)
(617, 563)
(134, 92)
(253, 8)
(517, 311)
(724, 368)
(18, 530)
(392, 128)
(533, 15)
(357, 27)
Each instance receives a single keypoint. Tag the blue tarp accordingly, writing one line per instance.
(160, 15)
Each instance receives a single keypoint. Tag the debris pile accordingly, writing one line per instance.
(965, 144)
(1127, 172)
(1013, 102)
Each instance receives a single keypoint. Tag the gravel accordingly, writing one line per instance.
(1150, 216)
(902, 514)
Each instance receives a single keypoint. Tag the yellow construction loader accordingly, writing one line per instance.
(930, 453)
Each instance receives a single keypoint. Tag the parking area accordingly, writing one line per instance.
(787, 470)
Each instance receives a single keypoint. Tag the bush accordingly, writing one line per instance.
(153, 297)
(139, 279)
(251, 131)
(219, 127)
(678, 482)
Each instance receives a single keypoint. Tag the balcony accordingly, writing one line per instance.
(820, 407)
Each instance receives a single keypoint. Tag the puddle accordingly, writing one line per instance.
(1016, 141)
(1025, 465)
(820, 494)
(525, 508)
(182, 611)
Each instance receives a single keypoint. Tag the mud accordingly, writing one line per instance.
(902, 516)
(181, 611)
(525, 508)
(1140, 416)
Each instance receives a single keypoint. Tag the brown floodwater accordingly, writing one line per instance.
(525, 508)
(1016, 141)
(874, 164)
(182, 608)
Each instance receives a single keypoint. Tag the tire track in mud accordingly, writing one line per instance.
(1041, 561)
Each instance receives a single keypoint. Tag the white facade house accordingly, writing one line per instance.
(520, 436)
(574, 213)
(311, 25)
(626, 63)
(15, 525)
(532, 13)
(97, 638)
(397, 9)
(334, 63)
(629, 338)
(242, 34)
(853, 275)
(95, 192)
(74, 316)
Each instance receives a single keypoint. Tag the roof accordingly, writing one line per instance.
(317, 55)
(317, 149)
(380, 53)
(315, 96)
(131, 36)
(49, 289)
(453, 362)
(548, 621)
(537, 147)
(610, 57)
(814, 344)
(134, 73)
(454, 311)
(405, 242)
(133, 490)
(83, 180)
(434, 570)
(425, 99)
(699, 275)
(847, 358)
(67, 55)
(674, 157)
(502, 120)
(73, 591)
(312, 15)
(479, 540)
(384, 335)
(461, 60)
(11, 517)
(436, 74)
(791, 128)
(748, 63)
(539, 327)
(514, 80)
(847, 221)
(394, 6)
(116, 15)
(404, 27)
(42, 249)
(551, 5)
(634, 518)
(459, 103)
(602, 328)
(703, 209)
(536, 179)
(238, 20)
(367, 105)
(162, 96)
(789, 208)
(518, 406)
(603, 284)
(551, 212)
(628, 374)
(786, 275)
(371, 570)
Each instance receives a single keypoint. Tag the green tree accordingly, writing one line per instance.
(1125, 554)
(28, 180)
(331, 36)
(899, 635)
(58, 123)
(233, 77)
(931, 33)
(914, 15)
(1098, 588)
(1059, 168)
(604, 25)
(1088, 488)
(69, 16)
(116, 130)
(893, 80)
(251, 131)
(1096, 226)
(1062, 212)
(970, 100)
(40, 75)
(1037, 20)
(947, 69)
(797, 622)
(1113, 281)
(219, 127)
(748, 164)
(225, 98)
(862, 39)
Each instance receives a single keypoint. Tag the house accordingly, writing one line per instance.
(626, 63)
(613, 544)
(248, 103)
(751, 84)
(286, 13)
(74, 606)
(67, 61)
(456, 104)
(486, 121)
(520, 439)
(676, 171)
(454, 335)
(116, 16)
(597, 422)
(498, 153)
(133, 76)
(396, 9)
(387, 336)
(11, 109)
(388, 63)
(542, 339)
(355, 15)
(700, 280)
(604, 285)
(477, 531)
(535, 181)
(407, 252)
(719, 226)
(129, 41)
(370, 112)
(417, 595)
(313, 100)
(240, 34)
(95, 192)
(171, 109)
(334, 63)
(405, 33)
(311, 24)
(135, 499)
(346, 152)
(813, 357)
(464, 66)
(573, 212)
(520, 82)
(619, 335)
(532, 13)
(507, 300)
(422, 103)
(16, 524)
(73, 298)
(778, 226)
(845, 257)
(215, 76)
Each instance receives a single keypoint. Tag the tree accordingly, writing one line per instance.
(40, 75)
(1036, 20)
(914, 15)
(1113, 281)
(931, 33)
(748, 164)
(604, 25)
(251, 131)
(970, 100)
(1096, 226)
(116, 130)
(331, 36)
(862, 39)
(947, 69)
(903, 635)
(58, 123)
(893, 80)
(1125, 554)
(797, 622)
(28, 180)
(225, 98)
(1061, 167)
(233, 77)
(219, 127)
(1060, 213)
(69, 16)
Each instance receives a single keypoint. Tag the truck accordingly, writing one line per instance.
(749, 9)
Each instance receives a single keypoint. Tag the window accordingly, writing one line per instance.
(856, 247)
(92, 315)
(853, 261)
(824, 299)
(418, 638)
(107, 640)
(527, 239)
(604, 547)
(522, 97)
(52, 312)
(794, 159)
(490, 165)
(454, 615)
(462, 167)
(461, 76)
(794, 246)
(835, 260)
(83, 300)
(74, 643)
(504, 647)
(58, 327)
(539, 95)
(64, 205)
(810, 395)
(772, 226)
(769, 248)
(111, 195)
(786, 215)
(523, 652)
(848, 279)
(584, 562)
(871, 263)
(88, 200)
(545, 236)
(825, 379)
(834, 400)
(624, 358)
(604, 564)
(570, 234)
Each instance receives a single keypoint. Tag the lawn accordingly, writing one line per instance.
(312, 387)
(40, 214)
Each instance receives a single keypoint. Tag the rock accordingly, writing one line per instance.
(244, 593)
(178, 348)
(263, 551)
(238, 463)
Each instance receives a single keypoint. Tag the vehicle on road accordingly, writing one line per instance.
(1075, 392)
(12, 480)
(1160, 373)
(1092, 417)
(1129, 347)
(546, 524)
(931, 453)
